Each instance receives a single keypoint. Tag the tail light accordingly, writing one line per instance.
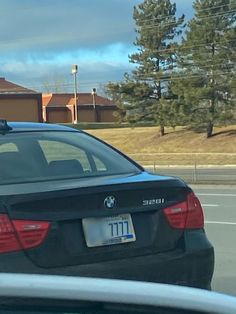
(8, 240)
(16, 235)
(187, 214)
(31, 233)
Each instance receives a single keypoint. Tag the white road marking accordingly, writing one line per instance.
(220, 222)
(211, 194)
(210, 205)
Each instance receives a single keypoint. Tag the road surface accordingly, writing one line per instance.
(219, 203)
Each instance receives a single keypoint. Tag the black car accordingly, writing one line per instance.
(71, 204)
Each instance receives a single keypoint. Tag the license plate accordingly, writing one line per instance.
(108, 230)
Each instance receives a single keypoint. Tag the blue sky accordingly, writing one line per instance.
(40, 40)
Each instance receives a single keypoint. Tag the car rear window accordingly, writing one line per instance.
(56, 155)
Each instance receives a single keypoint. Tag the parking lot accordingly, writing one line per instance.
(219, 203)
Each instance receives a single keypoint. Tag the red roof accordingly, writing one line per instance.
(68, 99)
(56, 99)
(7, 87)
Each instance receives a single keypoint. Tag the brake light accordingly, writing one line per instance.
(16, 235)
(187, 214)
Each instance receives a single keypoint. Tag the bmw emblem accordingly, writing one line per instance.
(110, 202)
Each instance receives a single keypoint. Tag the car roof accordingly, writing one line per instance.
(33, 126)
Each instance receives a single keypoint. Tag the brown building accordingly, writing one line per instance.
(18, 103)
(59, 108)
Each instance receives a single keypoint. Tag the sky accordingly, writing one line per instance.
(41, 39)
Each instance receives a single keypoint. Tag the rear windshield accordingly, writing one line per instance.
(52, 155)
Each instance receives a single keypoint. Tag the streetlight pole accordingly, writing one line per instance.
(74, 71)
(94, 93)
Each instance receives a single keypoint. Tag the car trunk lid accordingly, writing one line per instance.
(142, 197)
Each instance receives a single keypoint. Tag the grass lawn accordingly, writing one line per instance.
(179, 147)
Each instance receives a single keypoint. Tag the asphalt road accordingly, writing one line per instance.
(219, 203)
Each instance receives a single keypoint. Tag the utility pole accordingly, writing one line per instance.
(74, 72)
(212, 100)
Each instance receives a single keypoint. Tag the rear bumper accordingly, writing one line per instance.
(192, 266)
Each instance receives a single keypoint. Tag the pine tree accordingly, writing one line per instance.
(142, 93)
(206, 64)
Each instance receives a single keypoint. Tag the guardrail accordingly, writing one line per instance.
(193, 168)
(200, 174)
